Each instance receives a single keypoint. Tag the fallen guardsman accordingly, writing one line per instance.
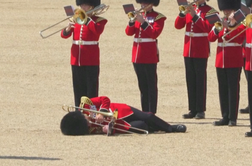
(99, 116)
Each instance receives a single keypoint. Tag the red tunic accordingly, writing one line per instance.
(196, 44)
(248, 64)
(86, 55)
(103, 102)
(228, 55)
(146, 52)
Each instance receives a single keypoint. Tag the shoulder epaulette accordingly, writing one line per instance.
(159, 16)
(100, 19)
(211, 11)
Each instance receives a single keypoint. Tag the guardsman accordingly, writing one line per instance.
(229, 61)
(146, 26)
(128, 118)
(85, 52)
(248, 68)
(196, 53)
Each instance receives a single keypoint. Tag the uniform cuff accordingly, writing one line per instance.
(144, 25)
(131, 23)
(195, 18)
(181, 15)
(65, 33)
(216, 31)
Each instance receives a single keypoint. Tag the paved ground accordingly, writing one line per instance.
(35, 81)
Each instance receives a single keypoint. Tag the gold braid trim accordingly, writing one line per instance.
(100, 19)
(159, 16)
(211, 11)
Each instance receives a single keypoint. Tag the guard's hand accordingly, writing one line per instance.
(139, 18)
(105, 129)
(190, 10)
(70, 26)
(231, 19)
(99, 118)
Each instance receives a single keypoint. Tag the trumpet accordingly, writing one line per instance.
(247, 22)
(182, 8)
(112, 124)
(132, 15)
(79, 17)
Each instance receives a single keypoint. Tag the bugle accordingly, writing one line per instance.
(247, 22)
(80, 17)
(132, 15)
(182, 8)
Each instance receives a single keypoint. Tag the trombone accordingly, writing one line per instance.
(111, 123)
(132, 15)
(80, 17)
(247, 22)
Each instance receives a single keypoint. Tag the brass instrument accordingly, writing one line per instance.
(182, 8)
(111, 123)
(80, 17)
(247, 22)
(132, 15)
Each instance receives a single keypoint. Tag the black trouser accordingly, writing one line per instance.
(229, 92)
(245, 71)
(249, 78)
(147, 83)
(196, 81)
(147, 121)
(85, 82)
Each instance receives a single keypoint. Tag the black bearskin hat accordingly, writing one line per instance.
(154, 2)
(88, 2)
(74, 123)
(229, 4)
(248, 3)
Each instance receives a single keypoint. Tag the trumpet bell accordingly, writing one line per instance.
(249, 20)
(80, 16)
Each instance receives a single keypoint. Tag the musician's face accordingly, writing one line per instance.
(200, 1)
(227, 12)
(86, 7)
(143, 5)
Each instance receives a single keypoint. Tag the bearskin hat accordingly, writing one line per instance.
(248, 3)
(74, 123)
(229, 4)
(88, 2)
(154, 2)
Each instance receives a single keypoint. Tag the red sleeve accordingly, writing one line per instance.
(212, 36)
(64, 35)
(130, 30)
(180, 22)
(101, 102)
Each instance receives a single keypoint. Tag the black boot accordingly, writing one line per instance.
(244, 110)
(190, 115)
(221, 122)
(179, 128)
(248, 134)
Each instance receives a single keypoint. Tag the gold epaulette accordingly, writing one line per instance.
(100, 19)
(211, 11)
(159, 16)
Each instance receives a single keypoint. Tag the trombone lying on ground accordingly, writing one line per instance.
(80, 17)
(111, 120)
